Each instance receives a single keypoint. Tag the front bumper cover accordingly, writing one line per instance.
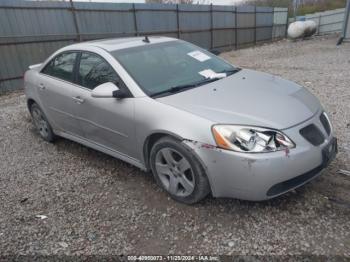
(263, 176)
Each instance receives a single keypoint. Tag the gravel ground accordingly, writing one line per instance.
(96, 204)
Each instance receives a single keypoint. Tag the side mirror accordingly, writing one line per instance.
(120, 94)
(106, 90)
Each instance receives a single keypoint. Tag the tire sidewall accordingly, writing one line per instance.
(50, 136)
(201, 187)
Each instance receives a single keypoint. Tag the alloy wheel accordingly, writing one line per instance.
(40, 122)
(175, 172)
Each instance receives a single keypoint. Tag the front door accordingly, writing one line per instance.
(108, 122)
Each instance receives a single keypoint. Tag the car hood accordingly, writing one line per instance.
(248, 98)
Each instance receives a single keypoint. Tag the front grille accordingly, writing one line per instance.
(294, 182)
(325, 123)
(312, 134)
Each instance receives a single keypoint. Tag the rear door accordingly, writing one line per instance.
(108, 122)
(55, 92)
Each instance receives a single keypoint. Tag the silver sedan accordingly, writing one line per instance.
(200, 124)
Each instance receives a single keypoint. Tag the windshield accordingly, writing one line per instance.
(158, 68)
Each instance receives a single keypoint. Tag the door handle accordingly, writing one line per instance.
(78, 99)
(42, 86)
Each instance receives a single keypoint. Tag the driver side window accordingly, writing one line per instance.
(94, 71)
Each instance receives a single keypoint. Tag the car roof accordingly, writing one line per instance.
(113, 44)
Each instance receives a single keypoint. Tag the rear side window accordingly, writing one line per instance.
(94, 71)
(61, 66)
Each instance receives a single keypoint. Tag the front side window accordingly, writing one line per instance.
(165, 66)
(94, 71)
(61, 66)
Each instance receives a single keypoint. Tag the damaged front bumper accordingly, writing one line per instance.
(261, 176)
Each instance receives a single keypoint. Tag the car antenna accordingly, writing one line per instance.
(146, 40)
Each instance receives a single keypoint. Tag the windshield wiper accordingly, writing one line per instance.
(231, 71)
(179, 88)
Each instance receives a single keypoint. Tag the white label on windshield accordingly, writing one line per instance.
(208, 73)
(198, 55)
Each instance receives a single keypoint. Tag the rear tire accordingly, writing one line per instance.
(41, 123)
(178, 171)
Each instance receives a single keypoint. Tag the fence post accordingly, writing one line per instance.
(178, 21)
(319, 24)
(236, 29)
(273, 25)
(75, 19)
(255, 25)
(135, 19)
(211, 27)
(287, 24)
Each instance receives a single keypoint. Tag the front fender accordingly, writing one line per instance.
(153, 117)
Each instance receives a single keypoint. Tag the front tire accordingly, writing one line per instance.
(41, 123)
(178, 171)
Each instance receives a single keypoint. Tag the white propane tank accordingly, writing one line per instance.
(296, 29)
(310, 28)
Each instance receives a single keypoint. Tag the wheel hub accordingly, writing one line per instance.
(40, 122)
(175, 172)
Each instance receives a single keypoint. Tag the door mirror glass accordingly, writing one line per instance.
(105, 90)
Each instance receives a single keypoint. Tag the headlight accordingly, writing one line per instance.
(250, 139)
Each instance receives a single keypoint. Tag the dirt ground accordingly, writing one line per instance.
(96, 204)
